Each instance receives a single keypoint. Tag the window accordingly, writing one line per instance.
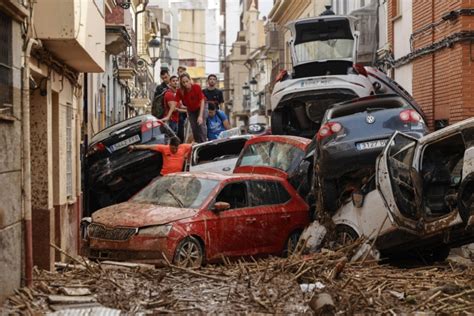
(243, 49)
(235, 194)
(6, 69)
(267, 193)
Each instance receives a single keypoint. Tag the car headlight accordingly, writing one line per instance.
(161, 230)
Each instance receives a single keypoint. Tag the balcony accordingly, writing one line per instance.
(126, 68)
(73, 31)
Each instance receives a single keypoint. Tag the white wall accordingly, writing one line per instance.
(402, 27)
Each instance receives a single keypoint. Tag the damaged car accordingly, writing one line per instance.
(193, 218)
(290, 157)
(352, 135)
(421, 198)
(113, 173)
(219, 155)
(325, 71)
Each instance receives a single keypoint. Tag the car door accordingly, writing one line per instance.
(238, 225)
(398, 183)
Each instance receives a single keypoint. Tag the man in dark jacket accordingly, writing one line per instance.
(212, 93)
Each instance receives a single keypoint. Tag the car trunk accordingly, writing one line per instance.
(301, 113)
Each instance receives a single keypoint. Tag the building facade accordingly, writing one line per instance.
(434, 61)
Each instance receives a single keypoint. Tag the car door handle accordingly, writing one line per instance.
(251, 220)
(286, 216)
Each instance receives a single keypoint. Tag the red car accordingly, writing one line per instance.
(193, 218)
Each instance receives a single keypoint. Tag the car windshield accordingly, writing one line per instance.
(371, 106)
(176, 191)
(324, 50)
(282, 156)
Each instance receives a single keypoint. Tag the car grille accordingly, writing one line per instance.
(102, 232)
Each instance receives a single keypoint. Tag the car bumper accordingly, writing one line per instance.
(151, 250)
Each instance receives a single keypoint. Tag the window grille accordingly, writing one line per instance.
(6, 71)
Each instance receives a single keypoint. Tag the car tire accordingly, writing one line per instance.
(329, 195)
(189, 253)
(292, 244)
(437, 255)
(345, 235)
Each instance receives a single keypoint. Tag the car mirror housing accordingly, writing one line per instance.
(357, 199)
(221, 206)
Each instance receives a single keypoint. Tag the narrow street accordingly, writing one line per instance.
(236, 157)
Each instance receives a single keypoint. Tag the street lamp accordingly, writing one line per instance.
(154, 49)
(246, 90)
(253, 84)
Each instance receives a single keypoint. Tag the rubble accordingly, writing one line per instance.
(330, 282)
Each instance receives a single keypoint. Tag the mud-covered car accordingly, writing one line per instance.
(353, 134)
(113, 173)
(325, 71)
(194, 218)
(219, 155)
(421, 199)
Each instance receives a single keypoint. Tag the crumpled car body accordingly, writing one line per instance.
(421, 198)
(219, 155)
(260, 214)
(113, 173)
(325, 71)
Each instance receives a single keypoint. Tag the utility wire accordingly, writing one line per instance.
(213, 44)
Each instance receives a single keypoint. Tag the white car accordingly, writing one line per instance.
(325, 71)
(219, 155)
(422, 197)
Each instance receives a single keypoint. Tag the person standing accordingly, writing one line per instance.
(182, 112)
(212, 93)
(191, 96)
(174, 154)
(157, 108)
(217, 122)
(171, 115)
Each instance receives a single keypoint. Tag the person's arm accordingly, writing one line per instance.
(221, 100)
(200, 119)
(226, 124)
(146, 147)
(224, 119)
(172, 108)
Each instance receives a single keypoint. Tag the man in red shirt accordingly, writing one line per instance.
(174, 154)
(171, 115)
(191, 96)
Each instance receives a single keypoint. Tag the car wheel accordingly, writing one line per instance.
(436, 255)
(345, 235)
(291, 245)
(329, 195)
(189, 253)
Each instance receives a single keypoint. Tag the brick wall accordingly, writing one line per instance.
(443, 80)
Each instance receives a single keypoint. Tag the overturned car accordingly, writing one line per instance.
(325, 71)
(421, 199)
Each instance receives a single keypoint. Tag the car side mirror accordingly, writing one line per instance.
(221, 206)
(357, 199)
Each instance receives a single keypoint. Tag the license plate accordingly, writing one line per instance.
(125, 143)
(314, 82)
(372, 144)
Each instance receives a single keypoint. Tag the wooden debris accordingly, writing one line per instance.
(270, 285)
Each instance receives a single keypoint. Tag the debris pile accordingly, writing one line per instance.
(324, 282)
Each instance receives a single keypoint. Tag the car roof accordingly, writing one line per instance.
(223, 140)
(297, 141)
(224, 177)
(103, 134)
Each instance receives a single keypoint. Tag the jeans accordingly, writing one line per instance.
(174, 126)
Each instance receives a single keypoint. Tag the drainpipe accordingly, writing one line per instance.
(26, 163)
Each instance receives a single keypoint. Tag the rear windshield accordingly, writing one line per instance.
(372, 106)
(219, 151)
(282, 156)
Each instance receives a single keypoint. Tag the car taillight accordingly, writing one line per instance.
(148, 125)
(360, 69)
(410, 116)
(96, 148)
(329, 129)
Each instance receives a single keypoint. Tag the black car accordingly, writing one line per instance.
(352, 135)
(113, 173)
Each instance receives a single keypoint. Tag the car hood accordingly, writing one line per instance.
(131, 214)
